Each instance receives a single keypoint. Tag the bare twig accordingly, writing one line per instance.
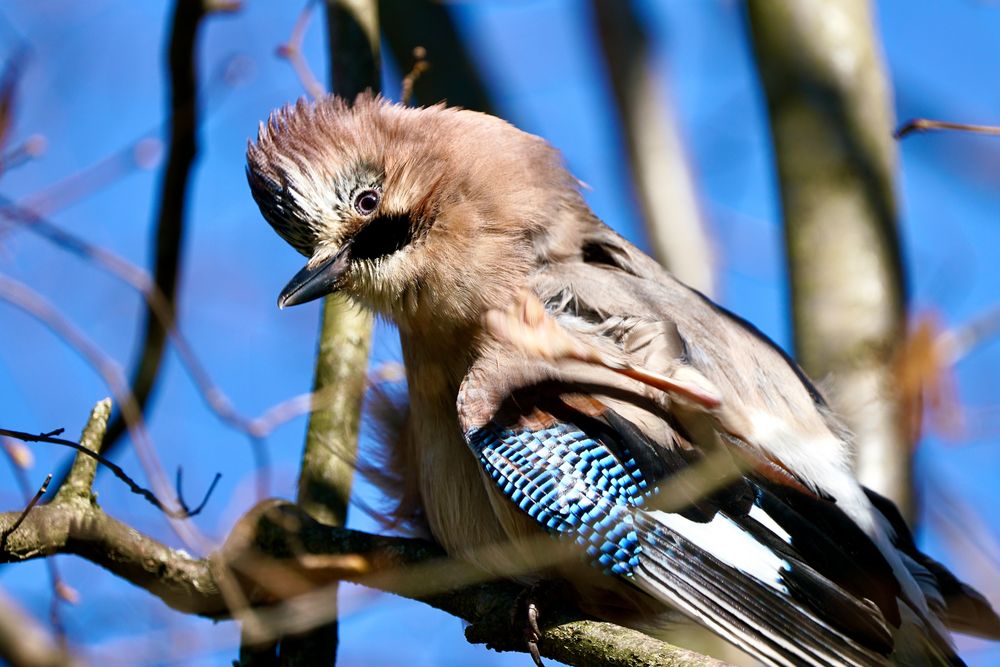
(31, 504)
(256, 429)
(452, 75)
(958, 341)
(79, 481)
(157, 303)
(84, 183)
(139, 279)
(292, 51)
(60, 591)
(420, 65)
(142, 152)
(27, 150)
(181, 513)
(33, 304)
(180, 493)
(77, 489)
(926, 124)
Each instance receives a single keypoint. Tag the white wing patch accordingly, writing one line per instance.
(732, 545)
(764, 519)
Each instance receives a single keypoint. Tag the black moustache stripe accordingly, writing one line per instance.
(381, 237)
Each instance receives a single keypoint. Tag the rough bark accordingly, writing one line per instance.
(831, 120)
(286, 562)
(286, 566)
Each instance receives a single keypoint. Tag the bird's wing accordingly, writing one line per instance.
(734, 550)
(774, 415)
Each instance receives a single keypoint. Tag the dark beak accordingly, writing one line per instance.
(313, 282)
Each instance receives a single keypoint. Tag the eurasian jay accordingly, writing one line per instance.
(561, 382)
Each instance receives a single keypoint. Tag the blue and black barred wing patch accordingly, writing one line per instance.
(570, 483)
(723, 574)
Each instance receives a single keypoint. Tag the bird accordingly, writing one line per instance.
(564, 390)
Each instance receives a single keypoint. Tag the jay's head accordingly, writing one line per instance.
(411, 211)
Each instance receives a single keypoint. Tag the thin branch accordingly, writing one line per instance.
(917, 125)
(157, 303)
(208, 493)
(24, 513)
(142, 152)
(256, 428)
(27, 150)
(420, 65)
(451, 73)
(292, 51)
(60, 590)
(27, 300)
(181, 513)
(79, 480)
(76, 493)
(959, 341)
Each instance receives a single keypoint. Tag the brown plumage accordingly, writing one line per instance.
(521, 315)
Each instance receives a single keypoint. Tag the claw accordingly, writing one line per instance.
(525, 614)
(532, 634)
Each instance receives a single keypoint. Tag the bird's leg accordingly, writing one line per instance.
(525, 613)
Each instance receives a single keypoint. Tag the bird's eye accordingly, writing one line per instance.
(366, 201)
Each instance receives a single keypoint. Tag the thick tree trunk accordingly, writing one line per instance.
(831, 119)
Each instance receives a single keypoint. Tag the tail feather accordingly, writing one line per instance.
(965, 610)
(961, 607)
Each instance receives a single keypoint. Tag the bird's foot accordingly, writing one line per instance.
(526, 613)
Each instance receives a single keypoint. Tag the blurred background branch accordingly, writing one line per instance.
(329, 457)
(24, 643)
(452, 76)
(831, 119)
(173, 200)
(660, 173)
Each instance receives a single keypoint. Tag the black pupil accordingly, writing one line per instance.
(366, 202)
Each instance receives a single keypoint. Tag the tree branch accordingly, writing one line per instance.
(328, 460)
(80, 479)
(664, 185)
(24, 643)
(277, 551)
(831, 119)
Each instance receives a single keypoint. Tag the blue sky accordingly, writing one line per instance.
(93, 84)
